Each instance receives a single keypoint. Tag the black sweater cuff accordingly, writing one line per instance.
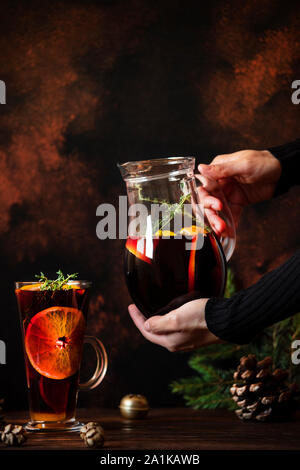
(273, 298)
(289, 157)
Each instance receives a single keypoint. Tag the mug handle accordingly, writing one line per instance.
(101, 366)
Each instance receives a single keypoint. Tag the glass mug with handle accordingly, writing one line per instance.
(53, 326)
(173, 253)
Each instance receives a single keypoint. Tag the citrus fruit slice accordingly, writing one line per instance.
(193, 230)
(53, 341)
(55, 393)
(164, 233)
(142, 248)
(37, 286)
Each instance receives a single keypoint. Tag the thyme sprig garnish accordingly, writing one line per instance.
(170, 210)
(173, 209)
(57, 284)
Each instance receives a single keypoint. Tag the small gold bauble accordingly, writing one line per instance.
(134, 406)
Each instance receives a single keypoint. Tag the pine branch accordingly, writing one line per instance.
(230, 286)
(215, 364)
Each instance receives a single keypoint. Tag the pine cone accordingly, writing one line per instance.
(13, 435)
(260, 393)
(92, 434)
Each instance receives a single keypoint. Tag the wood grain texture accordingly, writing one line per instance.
(172, 429)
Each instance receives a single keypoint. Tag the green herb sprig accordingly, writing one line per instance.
(171, 210)
(56, 284)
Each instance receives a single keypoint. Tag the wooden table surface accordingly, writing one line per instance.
(172, 428)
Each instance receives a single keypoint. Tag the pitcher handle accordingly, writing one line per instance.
(227, 240)
(101, 365)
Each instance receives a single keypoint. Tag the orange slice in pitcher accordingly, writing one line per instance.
(53, 341)
(142, 248)
(193, 230)
(164, 234)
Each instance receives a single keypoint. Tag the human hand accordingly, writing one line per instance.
(183, 329)
(245, 177)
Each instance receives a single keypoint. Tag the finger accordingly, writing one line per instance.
(137, 316)
(186, 317)
(209, 183)
(180, 342)
(225, 158)
(212, 187)
(162, 325)
(216, 222)
(209, 201)
(184, 342)
(139, 320)
(212, 205)
(217, 171)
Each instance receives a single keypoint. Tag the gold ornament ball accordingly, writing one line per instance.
(134, 406)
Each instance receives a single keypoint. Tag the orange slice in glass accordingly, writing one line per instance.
(53, 341)
(37, 286)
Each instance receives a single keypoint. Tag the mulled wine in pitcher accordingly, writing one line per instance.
(172, 254)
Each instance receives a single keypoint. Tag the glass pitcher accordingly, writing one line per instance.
(172, 254)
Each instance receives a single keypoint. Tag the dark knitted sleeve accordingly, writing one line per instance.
(274, 297)
(289, 157)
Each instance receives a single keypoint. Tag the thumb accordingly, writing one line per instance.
(162, 324)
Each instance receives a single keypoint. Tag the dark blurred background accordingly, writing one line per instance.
(90, 84)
